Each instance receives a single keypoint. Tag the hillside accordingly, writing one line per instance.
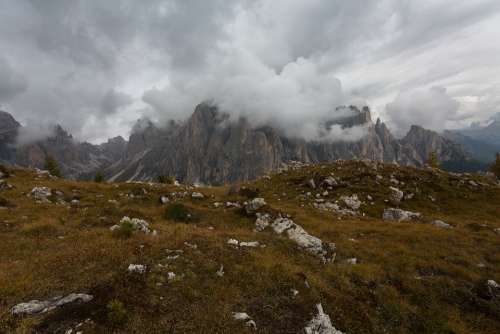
(198, 260)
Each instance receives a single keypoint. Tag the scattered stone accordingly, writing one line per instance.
(352, 261)
(396, 195)
(262, 222)
(192, 246)
(294, 292)
(399, 215)
(321, 324)
(233, 205)
(330, 181)
(136, 268)
(197, 195)
(254, 205)
(220, 272)
(137, 224)
(311, 183)
(473, 183)
(242, 316)
(369, 198)
(38, 306)
(492, 284)
(409, 196)
(41, 194)
(5, 186)
(497, 230)
(351, 201)
(394, 180)
(164, 200)
(440, 223)
(171, 276)
(250, 244)
(304, 240)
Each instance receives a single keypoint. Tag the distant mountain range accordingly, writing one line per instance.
(483, 142)
(208, 148)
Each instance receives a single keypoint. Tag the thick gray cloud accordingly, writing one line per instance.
(431, 108)
(12, 83)
(97, 66)
(114, 100)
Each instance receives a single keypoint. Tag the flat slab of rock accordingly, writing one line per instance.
(41, 306)
(304, 240)
(440, 223)
(400, 215)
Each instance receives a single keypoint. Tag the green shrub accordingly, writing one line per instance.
(433, 160)
(117, 314)
(166, 179)
(249, 192)
(178, 212)
(52, 166)
(125, 231)
(98, 178)
(5, 171)
(5, 203)
(495, 168)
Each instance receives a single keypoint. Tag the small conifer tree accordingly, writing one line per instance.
(495, 168)
(52, 166)
(98, 177)
(433, 160)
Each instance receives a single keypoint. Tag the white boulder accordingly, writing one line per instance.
(254, 205)
(321, 324)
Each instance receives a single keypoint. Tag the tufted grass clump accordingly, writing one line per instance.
(178, 212)
(116, 313)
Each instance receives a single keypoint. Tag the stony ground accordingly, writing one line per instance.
(321, 257)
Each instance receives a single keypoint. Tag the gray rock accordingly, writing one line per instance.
(244, 317)
(41, 193)
(396, 195)
(197, 195)
(399, 215)
(321, 324)
(136, 268)
(440, 223)
(351, 201)
(36, 306)
(137, 224)
(311, 244)
(254, 205)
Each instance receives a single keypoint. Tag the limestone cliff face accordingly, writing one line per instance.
(209, 149)
(8, 133)
(426, 141)
(76, 160)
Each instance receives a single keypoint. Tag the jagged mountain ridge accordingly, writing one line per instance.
(206, 149)
(77, 160)
(209, 148)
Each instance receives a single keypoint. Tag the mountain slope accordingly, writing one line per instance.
(200, 271)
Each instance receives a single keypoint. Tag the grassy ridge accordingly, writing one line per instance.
(411, 277)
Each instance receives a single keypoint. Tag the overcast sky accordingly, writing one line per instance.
(97, 66)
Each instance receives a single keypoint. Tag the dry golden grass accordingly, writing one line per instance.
(411, 277)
